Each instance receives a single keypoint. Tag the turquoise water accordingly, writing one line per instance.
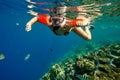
(43, 46)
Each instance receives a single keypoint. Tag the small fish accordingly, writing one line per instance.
(51, 49)
(17, 24)
(27, 57)
(2, 56)
(81, 77)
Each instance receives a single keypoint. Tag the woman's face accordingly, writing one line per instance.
(57, 20)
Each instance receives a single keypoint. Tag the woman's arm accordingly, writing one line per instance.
(85, 34)
(30, 23)
(83, 21)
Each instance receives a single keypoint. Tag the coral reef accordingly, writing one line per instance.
(102, 64)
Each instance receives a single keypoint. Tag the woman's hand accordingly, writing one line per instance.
(28, 27)
(82, 21)
(78, 23)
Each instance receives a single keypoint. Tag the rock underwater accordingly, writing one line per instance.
(102, 64)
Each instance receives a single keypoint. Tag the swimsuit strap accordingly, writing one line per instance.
(64, 21)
